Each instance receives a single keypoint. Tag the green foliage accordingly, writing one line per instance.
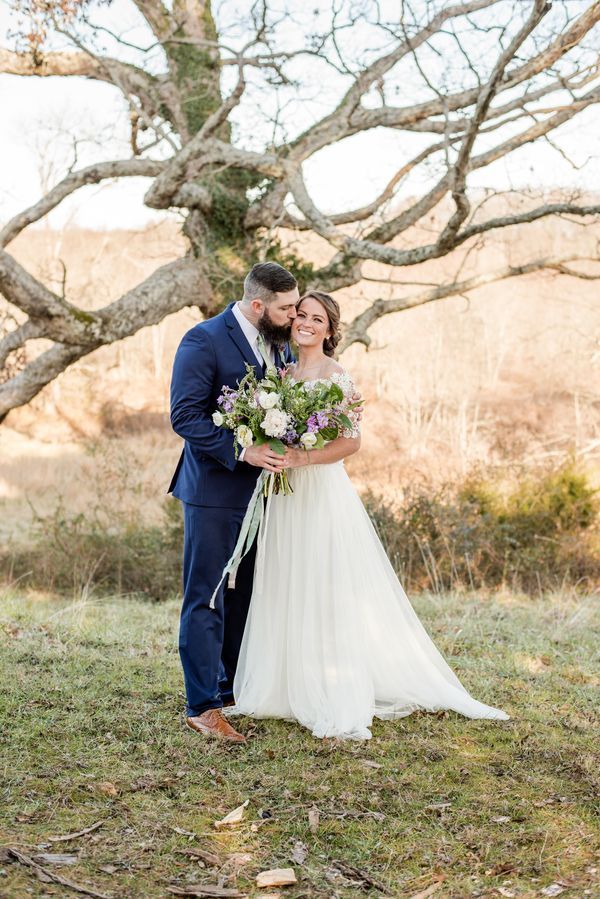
(72, 553)
(303, 271)
(540, 534)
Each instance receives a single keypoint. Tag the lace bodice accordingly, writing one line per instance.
(344, 380)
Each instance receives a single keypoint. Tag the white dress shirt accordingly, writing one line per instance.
(251, 334)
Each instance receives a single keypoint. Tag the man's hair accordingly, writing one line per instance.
(265, 280)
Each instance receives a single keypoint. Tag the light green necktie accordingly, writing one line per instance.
(262, 349)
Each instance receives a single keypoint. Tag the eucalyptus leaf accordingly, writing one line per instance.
(277, 446)
(328, 433)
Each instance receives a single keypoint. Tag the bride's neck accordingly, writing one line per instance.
(310, 360)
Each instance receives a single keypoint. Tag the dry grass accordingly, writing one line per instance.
(507, 377)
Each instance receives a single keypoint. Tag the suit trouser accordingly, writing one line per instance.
(210, 639)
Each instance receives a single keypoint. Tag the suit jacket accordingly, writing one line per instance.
(211, 354)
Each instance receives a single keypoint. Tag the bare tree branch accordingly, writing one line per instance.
(17, 338)
(168, 289)
(336, 127)
(357, 330)
(122, 168)
(80, 64)
(458, 172)
(233, 198)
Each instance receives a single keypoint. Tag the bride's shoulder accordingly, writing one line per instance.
(340, 374)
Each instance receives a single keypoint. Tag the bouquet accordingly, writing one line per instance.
(284, 413)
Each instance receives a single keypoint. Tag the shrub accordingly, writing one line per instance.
(76, 552)
(540, 535)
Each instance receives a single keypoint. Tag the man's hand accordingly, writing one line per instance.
(264, 457)
(295, 458)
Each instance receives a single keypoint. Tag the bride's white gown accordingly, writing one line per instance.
(331, 639)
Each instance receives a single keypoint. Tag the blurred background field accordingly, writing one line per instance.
(493, 393)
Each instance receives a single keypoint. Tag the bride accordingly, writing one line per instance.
(331, 640)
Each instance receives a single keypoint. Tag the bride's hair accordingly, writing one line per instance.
(332, 309)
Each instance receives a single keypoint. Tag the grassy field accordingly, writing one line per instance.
(432, 805)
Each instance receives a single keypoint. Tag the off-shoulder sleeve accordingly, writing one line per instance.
(349, 389)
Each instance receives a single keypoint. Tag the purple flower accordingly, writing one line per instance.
(290, 436)
(317, 421)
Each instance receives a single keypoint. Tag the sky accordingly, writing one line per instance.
(42, 116)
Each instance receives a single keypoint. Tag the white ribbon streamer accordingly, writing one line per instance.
(251, 525)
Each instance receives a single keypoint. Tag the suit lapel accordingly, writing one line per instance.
(239, 338)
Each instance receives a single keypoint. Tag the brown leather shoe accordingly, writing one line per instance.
(212, 723)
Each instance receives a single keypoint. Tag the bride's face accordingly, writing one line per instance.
(311, 325)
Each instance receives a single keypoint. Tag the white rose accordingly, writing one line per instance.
(244, 436)
(275, 423)
(267, 400)
(308, 440)
(218, 418)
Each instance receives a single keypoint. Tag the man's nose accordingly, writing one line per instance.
(292, 313)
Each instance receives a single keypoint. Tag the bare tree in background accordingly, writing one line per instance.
(209, 100)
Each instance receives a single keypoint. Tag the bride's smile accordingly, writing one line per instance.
(310, 327)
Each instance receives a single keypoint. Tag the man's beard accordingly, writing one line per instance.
(277, 334)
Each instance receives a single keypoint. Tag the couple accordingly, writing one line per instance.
(323, 634)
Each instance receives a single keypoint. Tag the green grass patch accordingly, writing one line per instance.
(91, 731)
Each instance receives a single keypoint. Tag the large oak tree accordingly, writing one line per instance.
(207, 97)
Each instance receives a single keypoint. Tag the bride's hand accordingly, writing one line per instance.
(358, 411)
(295, 458)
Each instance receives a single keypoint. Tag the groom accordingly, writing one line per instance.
(215, 488)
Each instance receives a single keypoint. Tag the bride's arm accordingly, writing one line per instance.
(338, 449)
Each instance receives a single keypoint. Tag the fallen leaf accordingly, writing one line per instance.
(299, 852)
(438, 806)
(501, 819)
(234, 817)
(109, 869)
(428, 892)
(78, 833)
(553, 889)
(56, 858)
(313, 819)
(107, 788)
(208, 858)
(369, 764)
(504, 891)
(278, 877)
(239, 860)
(502, 868)
(258, 824)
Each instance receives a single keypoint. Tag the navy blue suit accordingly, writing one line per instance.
(215, 490)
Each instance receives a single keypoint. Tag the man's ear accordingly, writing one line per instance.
(257, 306)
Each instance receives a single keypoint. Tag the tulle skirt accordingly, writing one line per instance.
(331, 639)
